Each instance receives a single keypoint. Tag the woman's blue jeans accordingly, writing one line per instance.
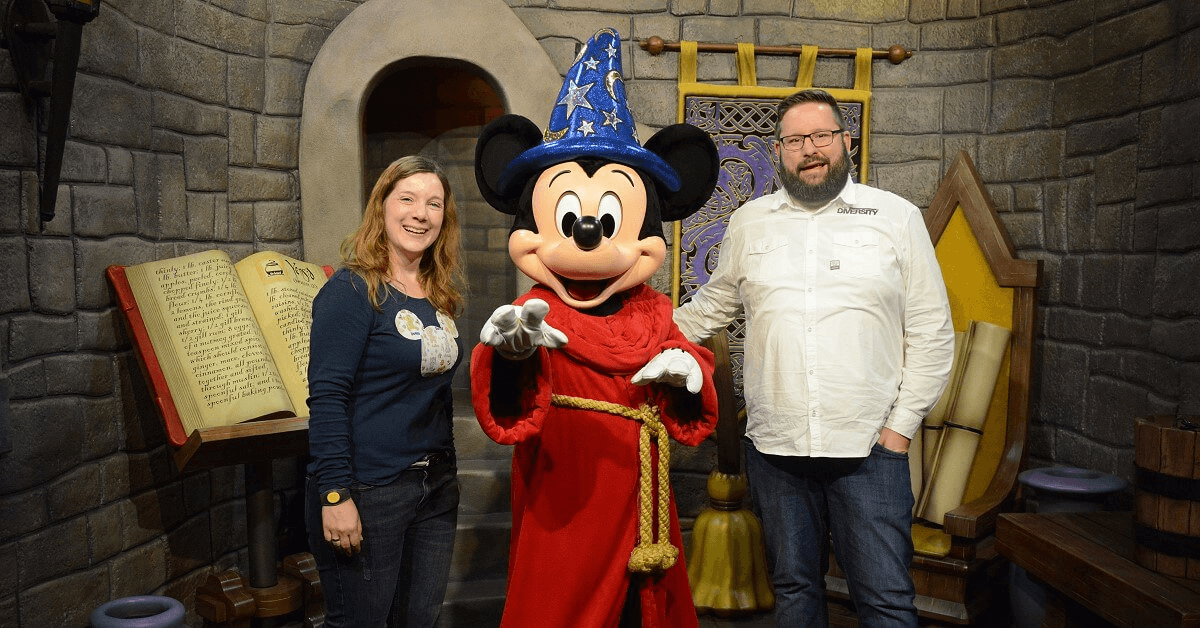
(865, 505)
(399, 578)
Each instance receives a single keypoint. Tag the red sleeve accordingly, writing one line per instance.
(688, 418)
(511, 397)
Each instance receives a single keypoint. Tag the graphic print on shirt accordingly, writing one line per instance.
(439, 352)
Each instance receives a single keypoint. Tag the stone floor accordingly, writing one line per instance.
(762, 620)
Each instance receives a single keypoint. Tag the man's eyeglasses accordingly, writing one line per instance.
(819, 139)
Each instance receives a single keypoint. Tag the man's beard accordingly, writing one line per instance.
(814, 195)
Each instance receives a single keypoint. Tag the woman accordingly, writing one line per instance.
(382, 502)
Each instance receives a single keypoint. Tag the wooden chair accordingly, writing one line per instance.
(959, 577)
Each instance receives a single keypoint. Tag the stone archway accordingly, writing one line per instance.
(373, 38)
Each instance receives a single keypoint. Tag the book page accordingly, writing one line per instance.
(281, 291)
(212, 354)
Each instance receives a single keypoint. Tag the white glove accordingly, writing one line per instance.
(673, 366)
(517, 331)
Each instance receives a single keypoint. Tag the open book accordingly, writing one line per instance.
(221, 343)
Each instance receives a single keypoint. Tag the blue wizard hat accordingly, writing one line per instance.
(591, 119)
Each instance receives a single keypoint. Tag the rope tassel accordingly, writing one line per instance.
(653, 501)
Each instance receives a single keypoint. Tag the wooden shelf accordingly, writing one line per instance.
(243, 443)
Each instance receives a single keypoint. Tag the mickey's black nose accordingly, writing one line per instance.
(587, 233)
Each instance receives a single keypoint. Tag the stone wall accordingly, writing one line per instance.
(1080, 116)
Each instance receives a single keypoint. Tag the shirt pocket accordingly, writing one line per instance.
(767, 259)
(856, 253)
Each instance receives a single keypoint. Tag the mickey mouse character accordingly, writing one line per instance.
(586, 374)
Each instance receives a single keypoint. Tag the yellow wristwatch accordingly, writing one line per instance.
(334, 496)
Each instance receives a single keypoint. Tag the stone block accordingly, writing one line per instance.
(964, 108)
(1181, 120)
(1102, 276)
(163, 141)
(257, 184)
(83, 162)
(1057, 20)
(1056, 217)
(241, 222)
(73, 493)
(1132, 32)
(1112, 405)
(909, 111)
(800, 32)
(115, 113)
(1020, 104)
(18, 143)
(1189, 398)
(283, 93)
(1027, 198)
(1030, 156)
(104, 210)
(766, 7)
(1088, 96)
(1025, 229)
(654, 101)
(79, 374)
(37, 459)
(1145, 231)
(962, 9)
(1175, 293)
(721, 30)
(109, 47)
(23, 513)
(228, 521)
(277, 142)
(241, 138)
(104, 532)
(1116, 175)
(619, 6)
(958, 34)
(890, 149)
(120, 166)
(298, 42)
(327, 13)
(43, 604)
(864, 12)
(141, 568)
(206, 24)
(52, 268)
(141, 425)
(926, 10)
(10, 199)
(277, 221)
(247, 80)
(1113, 231)
(53, 551)
(1061, 386)
(1044, 57)
(34, 335)
(181, 67)
(935, 69)
(1081, 214)
(577, 25)
(1178, 228)
(159, 188)
(150, 513)
(190, 547)
(723, 8)
(206, 162)
(160, 18)
(188, 116)
(27, 380)
(93, 257)
(1102, 135)
(915, 181)
(101, 331)
(689, 7)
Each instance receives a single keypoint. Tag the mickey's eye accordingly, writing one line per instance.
(610, 214)
(566, 213)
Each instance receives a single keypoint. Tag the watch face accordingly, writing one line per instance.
(333, 497)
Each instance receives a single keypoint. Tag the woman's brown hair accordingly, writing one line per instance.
(365, 252)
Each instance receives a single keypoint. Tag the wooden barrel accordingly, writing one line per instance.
(1167, 495)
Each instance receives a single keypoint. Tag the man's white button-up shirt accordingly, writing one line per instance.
(848, 329)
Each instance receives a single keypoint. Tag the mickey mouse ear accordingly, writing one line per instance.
(692, 153)
(502, 141)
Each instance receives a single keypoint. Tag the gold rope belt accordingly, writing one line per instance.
(647, 556)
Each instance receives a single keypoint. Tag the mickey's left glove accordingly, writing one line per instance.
(673, 366)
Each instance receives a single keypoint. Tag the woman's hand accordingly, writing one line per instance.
(342, 527)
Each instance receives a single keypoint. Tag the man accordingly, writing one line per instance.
(848, 345)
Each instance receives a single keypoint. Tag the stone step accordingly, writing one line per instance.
(481, 547)
(475, 604)
(484, 486)
(470, 443)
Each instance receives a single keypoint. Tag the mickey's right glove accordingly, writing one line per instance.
(517, 331)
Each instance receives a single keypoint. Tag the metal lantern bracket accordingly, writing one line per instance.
(37, 32)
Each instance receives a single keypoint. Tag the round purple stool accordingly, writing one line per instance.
(141, 611)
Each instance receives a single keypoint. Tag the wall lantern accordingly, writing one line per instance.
(36, 32)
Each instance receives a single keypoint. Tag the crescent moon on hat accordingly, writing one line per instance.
(610, 83)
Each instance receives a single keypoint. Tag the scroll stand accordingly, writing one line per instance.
(270, 593)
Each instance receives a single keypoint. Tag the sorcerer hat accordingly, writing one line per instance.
(591, 119)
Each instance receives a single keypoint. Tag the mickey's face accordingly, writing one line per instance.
(586, 247)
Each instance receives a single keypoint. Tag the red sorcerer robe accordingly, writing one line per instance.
(575, 472)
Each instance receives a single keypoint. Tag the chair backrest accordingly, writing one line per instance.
(985, 281)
